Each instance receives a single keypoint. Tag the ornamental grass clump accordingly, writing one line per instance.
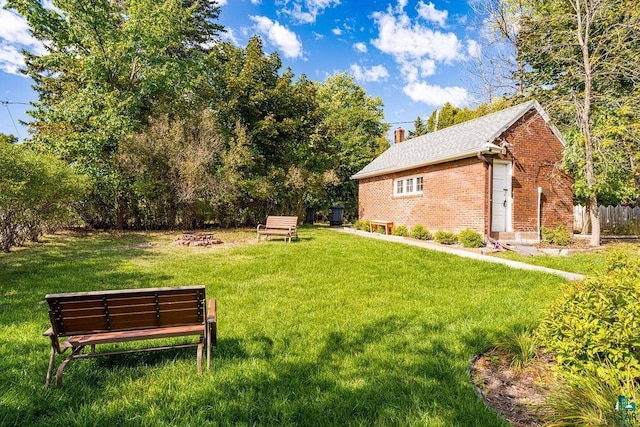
(361, 224)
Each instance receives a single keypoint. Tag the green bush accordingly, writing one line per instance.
(470, 239)
(419, 232)
(596, 322)
(361, 225)
(446, 237)
(401, 230)
(560, 235)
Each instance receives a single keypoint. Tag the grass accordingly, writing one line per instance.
(333, 329)
(582, 263)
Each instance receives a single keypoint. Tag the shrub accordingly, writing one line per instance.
(446, 237)
(597, 321)
(560, 235)
(470, 239)
(419, 232)
(361, 225)
(401, 230)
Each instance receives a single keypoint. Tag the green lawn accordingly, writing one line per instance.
(581, 262)
(332, 329)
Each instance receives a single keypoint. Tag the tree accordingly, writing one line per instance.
(449, 115)
(420, 127)
(581, 57)
(497, 66)
(108, 68)
(352, 125)
(37, 191)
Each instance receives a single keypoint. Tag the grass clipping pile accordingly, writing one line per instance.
(518, 393)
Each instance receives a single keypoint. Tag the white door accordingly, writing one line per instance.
(501, 197)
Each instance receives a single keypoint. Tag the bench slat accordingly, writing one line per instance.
(123, 336)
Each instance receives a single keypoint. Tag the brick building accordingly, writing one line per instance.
(498, 174)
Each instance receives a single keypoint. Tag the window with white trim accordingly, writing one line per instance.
(408, 186)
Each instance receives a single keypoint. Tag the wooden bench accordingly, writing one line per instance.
(285, 226)
(107, 317)
(388, 225)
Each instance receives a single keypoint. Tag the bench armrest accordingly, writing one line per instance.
(211, 312)
(260, 225)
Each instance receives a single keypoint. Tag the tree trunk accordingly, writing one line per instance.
(584, 29)
(586, 218)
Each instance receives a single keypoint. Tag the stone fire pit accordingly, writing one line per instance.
(197, 239)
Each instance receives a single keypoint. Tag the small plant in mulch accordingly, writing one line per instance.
(445, 237)
(401, 230)
(419, 232)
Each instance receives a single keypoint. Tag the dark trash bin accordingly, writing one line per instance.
(310, 214)
(335, 215)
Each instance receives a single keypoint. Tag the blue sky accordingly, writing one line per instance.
(413, 54)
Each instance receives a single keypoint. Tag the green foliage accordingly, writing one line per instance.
(353, 126)
(521, 347)
(445, 237)
(449, 115)
(401, 230)
(37, 193)
(559, 235)
(597, 321)
(419, 232)
(470, 239)
(420, 127)
(361, 224)
(587, 398)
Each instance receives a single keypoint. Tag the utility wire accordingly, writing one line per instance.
(6, 104)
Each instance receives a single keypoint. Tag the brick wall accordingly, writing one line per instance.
(456, 194)
(537, 155)
(453, 197)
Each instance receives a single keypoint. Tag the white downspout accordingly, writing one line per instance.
(539, 214)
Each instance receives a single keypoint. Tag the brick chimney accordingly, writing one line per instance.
(398, 135)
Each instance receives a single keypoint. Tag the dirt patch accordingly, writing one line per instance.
(518, 395)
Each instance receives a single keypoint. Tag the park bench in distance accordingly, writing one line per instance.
(107, 317)
(285, 226)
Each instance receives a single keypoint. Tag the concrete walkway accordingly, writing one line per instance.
(453, 250)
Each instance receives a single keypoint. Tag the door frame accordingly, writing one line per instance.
(508, 211)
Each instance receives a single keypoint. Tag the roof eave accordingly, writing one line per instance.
(487, 149)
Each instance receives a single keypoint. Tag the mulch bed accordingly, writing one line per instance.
(518, 395)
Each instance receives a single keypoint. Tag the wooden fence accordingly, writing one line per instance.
(621, 220)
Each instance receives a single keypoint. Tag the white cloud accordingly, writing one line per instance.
(15, 35)
(337, 31)
(436, 95)
(417, 48)
(255, 2)
(229, 35)
(284, 39)
(399, 37)
(305, 11)
(428, 11)
(373, 74)
(222, 2)
(473, 48)
(360, 47)
(412, 71)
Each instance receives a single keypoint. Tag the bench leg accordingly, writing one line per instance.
(51, 359)
(199, 357)
(64, 364)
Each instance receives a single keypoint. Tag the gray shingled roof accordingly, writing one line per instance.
(452, 143)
